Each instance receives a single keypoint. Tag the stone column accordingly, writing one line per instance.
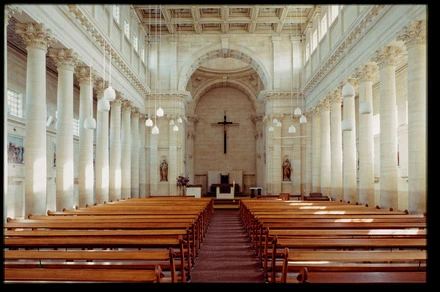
(349, 150)
(142, 161)
(126, 150)
(172, 59)
(102, 171)
(86, 174)
(115, 149)
(65, 60)
(308, 129)
(316, 150)
(147, 160)
(366, 139)
(268, 155)
(277, 160)
(134, 153)
(190, 142)
(37, 39)
(336, 145)
(173, 161)
(325, 147)
(414, 36)
(8, 200)
(259, 151)
(386, 58)
(154, 163)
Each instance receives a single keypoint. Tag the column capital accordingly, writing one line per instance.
(64, 58)
(84, 75)
(126, 105)
(35, 35)
(336, 96)
(387, 56)
(325, 104)
(11, 9)
(414, 33)
(135, 113)
(366, 72)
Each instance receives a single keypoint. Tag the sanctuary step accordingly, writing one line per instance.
(226, 203)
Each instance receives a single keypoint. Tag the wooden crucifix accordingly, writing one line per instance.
(224, 123)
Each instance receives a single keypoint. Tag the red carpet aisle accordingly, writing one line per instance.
(226, 255)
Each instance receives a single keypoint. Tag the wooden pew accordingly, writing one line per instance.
(351, 261)
(312, 243)
(105, 242)
(29, 275)
(95, 259)
(349, 277)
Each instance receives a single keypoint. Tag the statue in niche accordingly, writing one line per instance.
(163, 171)
(287, 170)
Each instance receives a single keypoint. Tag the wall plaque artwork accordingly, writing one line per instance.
(15, 149)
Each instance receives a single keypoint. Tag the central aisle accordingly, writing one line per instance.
(226, 255)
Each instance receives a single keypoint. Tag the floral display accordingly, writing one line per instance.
(182, 181)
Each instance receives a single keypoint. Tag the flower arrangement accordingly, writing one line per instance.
(182, 181)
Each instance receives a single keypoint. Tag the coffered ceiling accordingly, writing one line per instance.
(221, 19)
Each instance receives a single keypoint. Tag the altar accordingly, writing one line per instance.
(194, 191)
(225, 183)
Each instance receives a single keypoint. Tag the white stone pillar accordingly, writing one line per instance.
(414, 36)
(190, 153)
(8, 201)
(142, 161)
(172, 59)
(102, 171)
(65, 60)
(366, 139)
(173, 162)
(316, 150)
(37, 39)
(86, 174)
(386, 58)
(154, 163)
(308, 129)
(126, 150)
(277, 159)
(147, 160)
(115, 149)
(336, 145)
(259, 151)
(325, 147)
(134, 153)
(349, 150)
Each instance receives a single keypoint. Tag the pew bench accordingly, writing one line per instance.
(96, 259)
(108, 275)
(274, 253)
(369, 277)
(351, 261)
(84, 242)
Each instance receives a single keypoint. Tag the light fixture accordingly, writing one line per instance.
(179, 120)
(149, 122)
(270, 128)
(292, 129)
(103, 105)
(90, 122)
(155, 130)
(303, 119)
(172, 122)
(347, 92)
(279, 124)
(159, 112)
(365, 107)
(175, 128)
(275, 121)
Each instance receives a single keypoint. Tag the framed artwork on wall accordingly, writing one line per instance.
(15, 149)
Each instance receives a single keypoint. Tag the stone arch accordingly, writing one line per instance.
(217, 51)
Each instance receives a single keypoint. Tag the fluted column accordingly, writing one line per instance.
(325, 147)
(316, 150)
(277, 160)
(386, 58)
(115, 149)
(142, 161)
(173, 163)
(154, 163)
(349, 150)
(126, 150)
(190, 140)
(134, 153)
(65, 60)
(102, 172)
(8, 200)
(366, 139)
(37, 39)
(336, 145)
(86, 175)
(414, 36)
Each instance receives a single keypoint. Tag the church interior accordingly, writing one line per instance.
(317, 103)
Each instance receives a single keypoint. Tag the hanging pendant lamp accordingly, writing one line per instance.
(90, 122)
